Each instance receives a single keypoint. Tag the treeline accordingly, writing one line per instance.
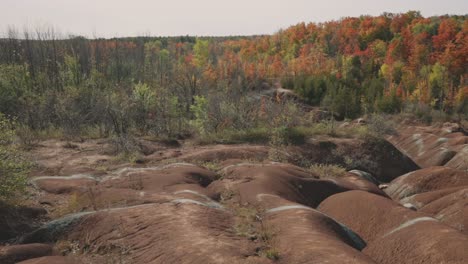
(140, 85)
(366, 64)
(164, 85)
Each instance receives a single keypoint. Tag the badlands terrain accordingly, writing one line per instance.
(405, 202)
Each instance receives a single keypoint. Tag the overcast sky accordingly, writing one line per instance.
(108, 18)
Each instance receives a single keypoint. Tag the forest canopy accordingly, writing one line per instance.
(351, 66)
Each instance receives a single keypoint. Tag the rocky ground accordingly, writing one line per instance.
(406, 202)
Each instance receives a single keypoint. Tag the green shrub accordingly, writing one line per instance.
(200, 113)
(423, 113)
(254, 135)
(28, 138)
(380, 125)
(125, 146)
(297, 135)
(354, 132)
(272, 254)
(327, 170)
(258, 135)
(14, 167)
(390, 103)
(278, 142)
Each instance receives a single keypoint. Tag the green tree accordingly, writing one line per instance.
(373, 89)
(200, 112)
(71, 71)
(438, 84)
(343, 101)
(389, 103)
(13, 86)
(201, 52)
(311, 89)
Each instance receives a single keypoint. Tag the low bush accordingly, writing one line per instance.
(28, 138)
(259, 135)
(14, 167)
(327, 170)
(380, 125)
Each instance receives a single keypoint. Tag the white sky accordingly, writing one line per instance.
(108, 18)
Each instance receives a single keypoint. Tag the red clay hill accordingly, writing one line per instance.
(231, 204)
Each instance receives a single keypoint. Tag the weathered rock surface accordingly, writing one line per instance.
(442, 145)
(304, 235)
(284, 180)
(425, 180)
(230, 204)
(441, 192)
(395, 234)
(174, 219)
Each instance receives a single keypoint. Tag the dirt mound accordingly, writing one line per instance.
(64, 184)
(446, 205)
(450, 209)
(232, 205)
(372, 218)
(441, 192)
(441, 145)
(168, 178)
(181, 231)
(226, 152)
(378, 157)
(124, 187)
(365, 176)
(183, 224)
(64, 158)
(303, 235)
(396, 234)
(15, 253)
(51, 260)
(287, 181)
(422, 199)
(359, 180)
(420, 241)
(425, 180)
